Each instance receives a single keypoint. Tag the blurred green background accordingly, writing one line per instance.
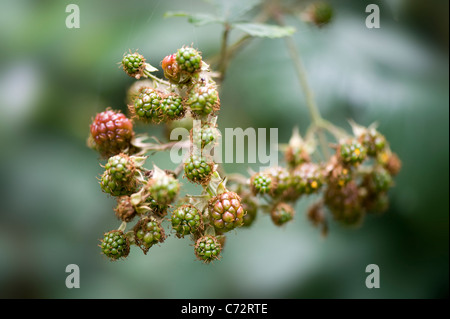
(53, 80)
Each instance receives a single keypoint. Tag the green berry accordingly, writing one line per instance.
(133, 64)
(148, 105)
(262, 183)
(118, 178)
(352, 153)
(281, 214)
(188, 59)
(198, 169)
(205, 135)
(207, 248)
(172, 107)
(148, 232)
(186, 220)
(320, 13)
(380, 180)
(226, 211)
(163, 189)
(283, 181)
(115, 245)
(203, 100)
(373, 141)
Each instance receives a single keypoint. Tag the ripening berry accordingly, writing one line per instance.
(226, 211)
(352, 153)
(307, 178)
(148, 232)
(111, 133)
(188, 59)
(148, 105)
(198, 169)
(115, 245)
(186, 220)
(207, 248)
(172, 107)
(261, 183)
(203, 100)
(133, 64)
(281, 214)
(171, 69)
(119, 176)
(163, 189)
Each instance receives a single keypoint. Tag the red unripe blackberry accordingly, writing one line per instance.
(226, 211)
(111, 133)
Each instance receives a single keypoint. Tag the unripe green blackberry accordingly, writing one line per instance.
(125, 210)
(133, 64)
(147, 106)
(198, 169)
(203, 100)
(281, 214)
(148, 232)
(379, 180)
(307, 178)
(352, 153)
(115, 245)
(186, 220)
(207, 248)
(111, 133)
(282, 179)
(345, 203)
(205, 135)
(172, 107)
(163, 188)
(226, 211)
(156, 208)
(119, 176)
(188, 59)
(251, 210)
(261, 183)
(373, 141)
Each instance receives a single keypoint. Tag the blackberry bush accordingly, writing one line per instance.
(345, 175)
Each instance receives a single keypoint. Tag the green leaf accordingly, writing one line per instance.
(265, 30)
(232, 10)
(197, 19)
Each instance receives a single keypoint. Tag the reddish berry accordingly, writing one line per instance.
(207, 248)
(111, 133)
(171, 69)
(226, 211)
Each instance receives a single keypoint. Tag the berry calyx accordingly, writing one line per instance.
(125, 210)
(147, 105)
(148, 232)
(133, 64)
(115, 245)
(207, 248)
(281, 214)
(188, 59)
(203, 100)
(226, 211)
(352, 153)
(186, 220)
(111, 133)
(198, 169)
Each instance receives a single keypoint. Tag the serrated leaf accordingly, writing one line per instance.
(232, 10)
(265, 30)
(197, 19)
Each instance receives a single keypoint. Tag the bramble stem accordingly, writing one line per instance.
(155, 78)
(223, 52)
